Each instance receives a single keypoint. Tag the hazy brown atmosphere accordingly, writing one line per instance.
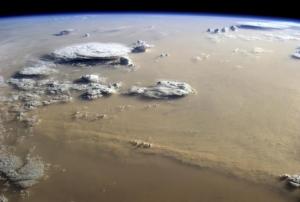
(227, 142)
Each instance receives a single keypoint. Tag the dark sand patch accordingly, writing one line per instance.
(90, 174)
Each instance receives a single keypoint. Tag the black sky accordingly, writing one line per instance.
(269, 8)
